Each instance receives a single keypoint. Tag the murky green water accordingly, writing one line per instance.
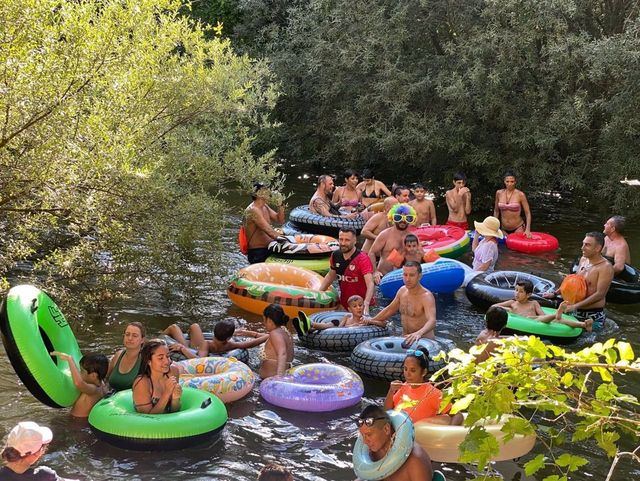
(316, 446)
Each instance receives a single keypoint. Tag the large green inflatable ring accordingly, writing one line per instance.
(32, 326)
(114, 420)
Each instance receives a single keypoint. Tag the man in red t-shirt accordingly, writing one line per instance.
(353, 269)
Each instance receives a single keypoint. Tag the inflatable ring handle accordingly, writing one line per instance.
(205, 404)
(34, 305)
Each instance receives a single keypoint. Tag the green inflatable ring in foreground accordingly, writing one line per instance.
(114, 420)
(554, 331)
(32, 326)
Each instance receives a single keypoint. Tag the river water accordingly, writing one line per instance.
(316, 447)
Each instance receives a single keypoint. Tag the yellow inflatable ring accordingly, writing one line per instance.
(441, 442)
(294, 288)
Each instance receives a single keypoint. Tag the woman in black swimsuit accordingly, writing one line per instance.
(372, 189)
(156, 389)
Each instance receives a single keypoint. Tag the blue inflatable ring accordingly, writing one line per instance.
(441, 276)
(369, 470)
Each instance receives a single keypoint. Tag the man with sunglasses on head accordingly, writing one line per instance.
(258, 217)
(416, 304)
(377, 433)
(392, 238)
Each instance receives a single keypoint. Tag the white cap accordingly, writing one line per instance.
(28, 437)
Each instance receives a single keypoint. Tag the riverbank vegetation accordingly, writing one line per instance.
(423, 88)
(121, 124)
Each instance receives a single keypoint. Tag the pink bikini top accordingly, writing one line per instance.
(511, 206)
(349, 203)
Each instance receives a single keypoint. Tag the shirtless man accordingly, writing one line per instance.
(425, 209)
(615, 245)
(402, 216)
(257, 222)
(377, 224)
(416, 304)
(320, 202)
(377, 432)
(598, 273)
(459, 202)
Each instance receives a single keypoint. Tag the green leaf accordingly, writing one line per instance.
(555, 477)
(567, 379)
(534, 465)
(607, 441)
(478, 447)
(570, 461)
(626, 351)
(462, 403)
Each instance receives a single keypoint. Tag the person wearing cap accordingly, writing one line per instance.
(485, 251)
(26, 444)
(258, 217)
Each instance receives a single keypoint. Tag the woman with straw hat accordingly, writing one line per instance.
(485, 251)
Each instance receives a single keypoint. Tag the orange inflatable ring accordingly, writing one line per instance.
(294, 288)
(441, 442)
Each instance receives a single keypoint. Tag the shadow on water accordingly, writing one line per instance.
(317, 446)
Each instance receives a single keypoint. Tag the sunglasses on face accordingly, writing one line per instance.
(367, 421)
(408, 218)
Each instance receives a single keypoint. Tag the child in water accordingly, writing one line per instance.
(89, 381)
(418, 398)
(223, 331)
(496, 320)
(524, 306)
(277, 352)
(354, 318)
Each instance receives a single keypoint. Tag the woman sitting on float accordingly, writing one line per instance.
(418, 398)
(156, 389)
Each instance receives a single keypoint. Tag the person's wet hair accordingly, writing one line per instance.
(619, 222)
(459, 176)
(597, 236)
(496, 318)
(527, 285)
(414, 264)
(323, 178)
(98, 363)
(367, 174)
(275, 472)
(375, 412)
(276, 314)
(146, 353)
(421, 356)
(509, 173)
(349, 173)
(351, 230)
(223, 330)
(411, 238)
(354, 298)
(256, 187)
(419, 185)
(399, 189)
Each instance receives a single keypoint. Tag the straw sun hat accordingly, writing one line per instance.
(490, 227)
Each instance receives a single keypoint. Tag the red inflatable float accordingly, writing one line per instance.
(539, 242)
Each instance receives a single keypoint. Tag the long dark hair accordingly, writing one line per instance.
(276, 314)
(147, 351)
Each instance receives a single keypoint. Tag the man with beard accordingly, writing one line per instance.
(320, 202)
(392, 238)
(353, 269)
(377, 224)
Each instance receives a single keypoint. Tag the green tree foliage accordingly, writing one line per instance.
(564, 397)
(121, 125)
(547, 87)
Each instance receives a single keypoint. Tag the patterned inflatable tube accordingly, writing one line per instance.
(229, 379)
(314, 388)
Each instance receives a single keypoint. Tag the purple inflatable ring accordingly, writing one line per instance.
(314, 388)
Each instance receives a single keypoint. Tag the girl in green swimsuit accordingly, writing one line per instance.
(125, 364)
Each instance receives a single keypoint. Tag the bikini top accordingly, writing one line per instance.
(349, 203)
(511, 206)
(372, 195)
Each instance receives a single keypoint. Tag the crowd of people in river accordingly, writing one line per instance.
(145, 366)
